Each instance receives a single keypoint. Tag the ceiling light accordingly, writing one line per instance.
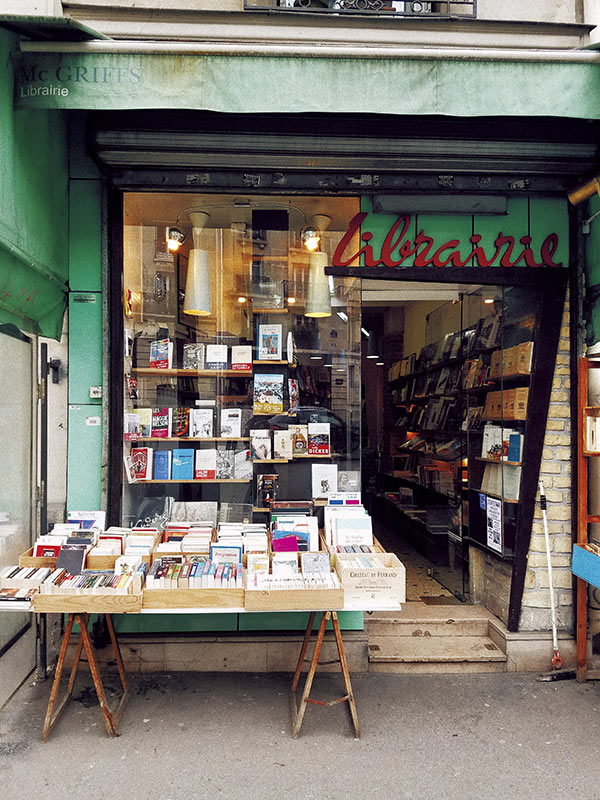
(365, 332)
(197, 283)
(175, 238)
(241, 299)
(318, 299)
(343, 316)
(488, 300)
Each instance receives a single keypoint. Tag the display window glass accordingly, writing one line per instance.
(241, 358)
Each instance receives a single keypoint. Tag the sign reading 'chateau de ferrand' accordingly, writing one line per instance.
(424, 251)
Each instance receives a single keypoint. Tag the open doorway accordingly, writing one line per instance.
(431, 365)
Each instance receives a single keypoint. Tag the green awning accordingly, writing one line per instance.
(32, 296)
(292, 84)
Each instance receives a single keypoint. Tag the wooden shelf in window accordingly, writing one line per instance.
(200, 480)
(194, 373)
(271, 460)
(260, 510)
(192, 439)
(269, 362)
(496, 496)
(312, 455)
(270, 311)
(498, 461)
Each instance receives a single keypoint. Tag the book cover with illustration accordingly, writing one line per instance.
(268, 394)
(269, 342)
(161, 423)
(161, 354)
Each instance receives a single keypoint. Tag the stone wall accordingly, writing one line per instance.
(555, 473)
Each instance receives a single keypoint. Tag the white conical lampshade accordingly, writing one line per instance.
(197, 285)
(318, 298)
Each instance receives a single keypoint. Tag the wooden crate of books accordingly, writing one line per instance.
(27, 559)
(193, 598)
(294, 600)
(305, 584)
(373, 587)
(88, 603)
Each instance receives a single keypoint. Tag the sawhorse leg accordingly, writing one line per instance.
(111, 720)
(298, 711)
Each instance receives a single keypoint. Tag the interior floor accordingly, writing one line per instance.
(421, 584)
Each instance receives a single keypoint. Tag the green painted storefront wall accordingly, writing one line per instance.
(33, 199)
(266, 84)
(526, 216)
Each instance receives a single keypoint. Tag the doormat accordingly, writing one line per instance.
(440, 600)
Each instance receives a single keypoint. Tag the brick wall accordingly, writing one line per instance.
(555, 473)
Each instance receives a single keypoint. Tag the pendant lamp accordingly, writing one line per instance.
(318, 297)
(197, 285)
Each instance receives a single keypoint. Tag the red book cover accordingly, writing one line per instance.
(141, 458)
(161, 423)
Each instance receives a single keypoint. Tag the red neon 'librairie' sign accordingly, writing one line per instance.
(396, 249)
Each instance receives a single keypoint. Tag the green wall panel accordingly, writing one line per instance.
(296, 621)
(379, 225)
(175, 623)
(85, 345)
(85, 265)
(84, 458)
(514, 223)
(550, 215)
(444, 228)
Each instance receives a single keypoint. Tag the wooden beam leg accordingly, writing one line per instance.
(118, 658)
(309, 628)
(51, 718)
(582, 613)
(346, 674)
(109, 721)
(299, 715)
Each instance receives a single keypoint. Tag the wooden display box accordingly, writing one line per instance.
(27, 559)
(88, 603)
(193, 598)
(520, 406)
(294, 600)
(372, 587)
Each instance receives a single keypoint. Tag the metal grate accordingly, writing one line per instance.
(408, 8)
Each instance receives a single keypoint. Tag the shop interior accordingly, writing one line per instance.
(402, 373)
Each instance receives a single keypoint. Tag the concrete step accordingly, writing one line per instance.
(435, 654)
(424, 627)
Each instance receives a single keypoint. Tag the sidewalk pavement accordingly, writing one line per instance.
(200, 736)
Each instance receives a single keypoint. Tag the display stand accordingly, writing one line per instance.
(111, 719)
(298, 711)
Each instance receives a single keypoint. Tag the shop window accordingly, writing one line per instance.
(241, 358)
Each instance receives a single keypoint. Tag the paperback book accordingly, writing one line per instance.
(319, 434)
(161, 354)
(299, 434)
(141, 460)
(216, 356)
(225, 461)
(269, 342)
(260, 444)
(267, 488)
(231, 423)
(241, 357)
(182, 468)
(242, 465)
(201, 423)
(161, 423)
(180, 425)
(206, 464)
(268, 394)
(282, 445)
(193, 355)
(162, 465)
(294, 393)
(324, 479)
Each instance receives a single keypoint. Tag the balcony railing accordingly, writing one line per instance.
(408, 8)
